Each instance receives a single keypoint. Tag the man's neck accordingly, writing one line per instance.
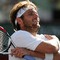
(33, 32)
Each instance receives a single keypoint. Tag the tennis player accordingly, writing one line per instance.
(25, 20)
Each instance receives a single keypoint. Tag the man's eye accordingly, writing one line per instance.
(30, 13)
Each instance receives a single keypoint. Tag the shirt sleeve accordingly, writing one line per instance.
(54, 41)
(25, 40)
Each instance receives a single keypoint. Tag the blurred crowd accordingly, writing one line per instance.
(5, 7)
(48, 9)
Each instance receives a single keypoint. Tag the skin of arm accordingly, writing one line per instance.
(37, 54)
(20, 52)
(46, 47)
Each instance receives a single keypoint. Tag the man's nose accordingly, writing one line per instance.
(36, 15)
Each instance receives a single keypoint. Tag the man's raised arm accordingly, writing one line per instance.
(49, 46)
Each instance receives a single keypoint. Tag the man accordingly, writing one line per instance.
(25, 19)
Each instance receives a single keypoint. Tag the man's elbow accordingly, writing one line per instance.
(52, 50)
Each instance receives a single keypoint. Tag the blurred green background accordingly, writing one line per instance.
(49, 12)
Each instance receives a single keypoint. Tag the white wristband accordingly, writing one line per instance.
(48, 57)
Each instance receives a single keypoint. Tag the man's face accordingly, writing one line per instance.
(31, 19)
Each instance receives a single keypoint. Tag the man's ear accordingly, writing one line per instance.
(19, 20)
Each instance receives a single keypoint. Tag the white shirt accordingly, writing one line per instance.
(27, 40)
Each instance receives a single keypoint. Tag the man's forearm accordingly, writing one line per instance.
(20, 52)
(36, 54)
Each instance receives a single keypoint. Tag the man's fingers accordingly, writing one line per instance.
(12, 52)
(49, 37)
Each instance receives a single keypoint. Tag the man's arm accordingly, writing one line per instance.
(35, 54)
(46, 48)
(49, 46)
(20, 52)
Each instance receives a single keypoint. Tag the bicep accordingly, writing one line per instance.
(46, 48)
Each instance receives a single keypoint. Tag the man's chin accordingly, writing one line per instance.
(36, 26)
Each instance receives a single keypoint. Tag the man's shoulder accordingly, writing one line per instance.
(21, 33)
(40, 35)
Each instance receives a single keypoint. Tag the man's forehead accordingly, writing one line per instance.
(31, 10)
(23, 10)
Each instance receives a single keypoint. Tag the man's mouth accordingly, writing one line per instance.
(34, 22)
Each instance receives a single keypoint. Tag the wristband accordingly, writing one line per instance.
(48, 57)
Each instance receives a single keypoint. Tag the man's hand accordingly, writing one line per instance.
(18, 52)
(49, 37)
